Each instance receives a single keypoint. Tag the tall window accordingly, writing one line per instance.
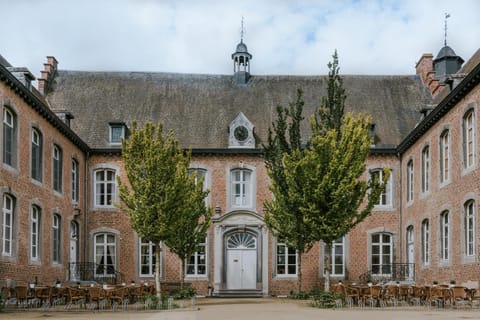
(382, 256)
(241, 192)
(410, 181)
(105, 254)
(105, 187)
(385, 199)
(469, 139)
(426, 169)
(197, 263)
(445, 156)
(7, 225)
(337, 264)
(35, 233)
(201, 176)
(286, 260)
(56, 237)
(425, 242)
(147, 258)
(75, 180)
(37, 151)
(9, 137)
(57, 159)
(469, 222)
(444, 236)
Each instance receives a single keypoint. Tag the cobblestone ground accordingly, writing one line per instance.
(256, 309)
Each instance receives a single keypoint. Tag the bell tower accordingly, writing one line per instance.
(241, 61)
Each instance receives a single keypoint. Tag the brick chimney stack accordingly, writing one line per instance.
(50, 68)
(424, 68)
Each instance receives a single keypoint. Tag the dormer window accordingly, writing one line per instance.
(241, 133)
(117, 132)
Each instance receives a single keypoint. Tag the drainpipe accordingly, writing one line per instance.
(85, 208)
(400, 222)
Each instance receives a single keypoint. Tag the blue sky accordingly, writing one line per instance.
(195, 36)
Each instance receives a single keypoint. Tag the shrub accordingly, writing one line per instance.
(323, 299)
(183, 293)
(302, 295)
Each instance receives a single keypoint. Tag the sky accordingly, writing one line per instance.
(198, 36)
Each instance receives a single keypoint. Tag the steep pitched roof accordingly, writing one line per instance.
(199, 108)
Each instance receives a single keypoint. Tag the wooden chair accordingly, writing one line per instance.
(96, 295)
(75, 296)
(418, 295)
(460, 295)
(44, 295)
(352, 295)
(24, 296)
(375, 296)
(391, 295)
(119, 296)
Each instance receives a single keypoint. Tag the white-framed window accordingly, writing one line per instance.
(7, 224)
(57, 158)
(56, 238)
(105, 254)
(425, 242)
(469, 228)
(75, 180)
(147, 258)
(105, 187)
(286, 260)
(445, 235)
(36, 155)
(9, 145)
(385, 199)
(445, 156)
(337, 263)
(410, 181)
(469, 139)
(201, 176)
(381, 253)
(35, 218)
(197, 263)
(426, 169)
(241, 188)
(117, 132)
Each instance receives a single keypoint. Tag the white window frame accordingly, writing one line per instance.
(426, 169)
(147, 258)
(425, 242)
(445, 235)
(7, 224)
(469, 139)
(337, 245)
(57, 168)
(9, 125)
(410, 181)
(381, 255)
(445, 156)
(36, 149)
(104, 183)
(75, 180)
(56, 238)
(112, 135)
(107, 246)
(469, 228)
(241, 197)
(286, 264)
(195, 262)
(386, 197)
(35, 220)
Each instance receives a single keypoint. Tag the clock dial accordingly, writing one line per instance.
(241, 133)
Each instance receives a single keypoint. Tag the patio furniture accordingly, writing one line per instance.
(460, 296)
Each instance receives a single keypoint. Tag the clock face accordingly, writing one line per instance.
(241, 133)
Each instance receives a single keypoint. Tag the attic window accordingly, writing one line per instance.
(117, 132)
(371, 133)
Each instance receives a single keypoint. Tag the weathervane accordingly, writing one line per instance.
(242, 31)
(447, 15)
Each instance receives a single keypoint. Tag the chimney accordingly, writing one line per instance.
(424, 68)
(48, 73)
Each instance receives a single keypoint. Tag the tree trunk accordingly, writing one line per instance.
(327, 266)
(182, 275)
(299, 273)
(157, 271)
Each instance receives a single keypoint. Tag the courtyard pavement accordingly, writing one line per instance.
(256, 309)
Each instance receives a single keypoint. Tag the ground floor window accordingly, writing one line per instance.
(286, 260)
(147, 258)
(105, 254)
(381, 257)
(337, 263)
(197, 263)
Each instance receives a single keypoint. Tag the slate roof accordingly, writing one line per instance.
(199, 108)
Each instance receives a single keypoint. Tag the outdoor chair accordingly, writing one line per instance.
(75, 296)
(352, 295)
(24, 296)
(404, 295)
(418, 295)
(96, 295)
(460, 296)
(119, 296)
(391, 295)
(375, 296)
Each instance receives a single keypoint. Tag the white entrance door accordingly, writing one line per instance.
(241, 261)
(73, 251)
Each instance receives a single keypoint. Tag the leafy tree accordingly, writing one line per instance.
(159, 191)
(283, 216)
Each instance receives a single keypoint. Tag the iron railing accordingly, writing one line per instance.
(89, 271)
(390, 272)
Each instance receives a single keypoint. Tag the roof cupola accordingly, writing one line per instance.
(241, 61)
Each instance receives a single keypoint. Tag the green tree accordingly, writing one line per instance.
(159, 190)
(283, 216)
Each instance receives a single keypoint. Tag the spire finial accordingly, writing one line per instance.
(447, 15)
(242, 31)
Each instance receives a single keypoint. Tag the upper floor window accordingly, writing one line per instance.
(9, 145)
(56, 238)
(410, 181)
(35, 217)
(337, 263)
(425, 242)
(197, 263)
(425, 169)
(286, 260)
(147, 258)
(75, 180)
(117, 132)
(105, 187)
(445, 235)
(469, 139)
(469, 228)
(57, 159)
(445, 156)
(7, 224)
(37, 152)
(241, 188)
(385, 199)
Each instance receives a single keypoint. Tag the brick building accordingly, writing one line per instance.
(61, 211)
